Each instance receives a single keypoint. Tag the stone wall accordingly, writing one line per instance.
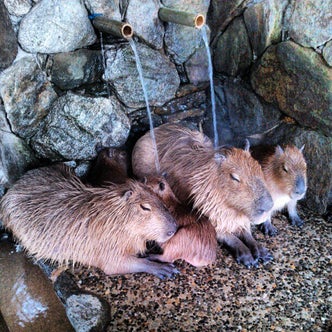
(61, 99)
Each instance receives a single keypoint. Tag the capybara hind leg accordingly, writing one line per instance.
(293, 216)
(238, 249)
(267, 228)
(137, 265)
(257, 250)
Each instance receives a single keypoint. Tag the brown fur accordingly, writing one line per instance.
(285, 172)
(226, 185)
(195, 240)
(111, 165)
(56, 217)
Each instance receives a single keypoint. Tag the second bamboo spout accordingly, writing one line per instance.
(181, 17)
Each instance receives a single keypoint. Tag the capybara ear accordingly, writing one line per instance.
(279, 151)
(302, 148)
(127, 194)
(247, 145)
(219, 158)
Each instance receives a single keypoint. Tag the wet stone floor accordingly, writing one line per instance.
(293, 293)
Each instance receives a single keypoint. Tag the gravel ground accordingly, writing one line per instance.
(292, 293)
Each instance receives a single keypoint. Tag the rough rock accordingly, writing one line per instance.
(160, 75)
(145, 21)
(240, 114)
(182, 41)
(327, 53)
(27, 95)
(197, 67)
(18, 7)
(221, 13)
(233, 54)
(86, 311)
(299, 82)
(108, 8)
(8, 41)
(77, 124)
(70, 70)
(317, 152)
(54, 26)
(310, 22)
(264, 22)
(15, 155)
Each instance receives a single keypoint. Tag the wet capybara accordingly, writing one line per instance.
(111, 165)
(225, 184)
(58, 218)
(285, 172)
(195, 240)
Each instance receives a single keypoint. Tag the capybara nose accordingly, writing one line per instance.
(300, 186)
(265, 203)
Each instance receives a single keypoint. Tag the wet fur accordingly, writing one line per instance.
(282, 167)
(226, 185)
(195, 240)
(56, 217)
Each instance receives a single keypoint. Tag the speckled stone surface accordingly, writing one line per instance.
(293, 293)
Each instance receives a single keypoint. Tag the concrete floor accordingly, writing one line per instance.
(293, 293)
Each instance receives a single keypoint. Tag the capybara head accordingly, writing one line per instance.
(241, 181)
(288, 169)
(155, 221)
(160, 186)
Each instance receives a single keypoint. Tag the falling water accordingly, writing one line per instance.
(104, 62)
(140, 72)
(213, 99)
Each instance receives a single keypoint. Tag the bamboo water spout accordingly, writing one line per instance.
(115, 28)
(181, 17)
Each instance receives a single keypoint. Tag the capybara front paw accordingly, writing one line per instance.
(247, 260)
(165, 271)
(297, 221)
(268, 229)
(264, 255)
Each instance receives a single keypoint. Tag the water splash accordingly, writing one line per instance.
(104, 62)
(213, 99)
(140, 73)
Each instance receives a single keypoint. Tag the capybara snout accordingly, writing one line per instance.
(299, 188)
(158, 225)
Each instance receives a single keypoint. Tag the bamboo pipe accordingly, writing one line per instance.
(115, 28)
(180, 17)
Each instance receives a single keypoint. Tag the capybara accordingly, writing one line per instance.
(285, 172)
(56, 217)
(111, 165)
(195, 240)
(225, 184)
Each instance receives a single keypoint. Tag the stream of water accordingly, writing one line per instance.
(140, 73)
(213, 99)
(104, 62)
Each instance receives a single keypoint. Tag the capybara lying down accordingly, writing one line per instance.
(224, 184)
(195, 240)
(285, 172)
(58, 218)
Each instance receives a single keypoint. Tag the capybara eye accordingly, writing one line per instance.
(162, 186)
(145, 207)
(235, 177)
(285, 168)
